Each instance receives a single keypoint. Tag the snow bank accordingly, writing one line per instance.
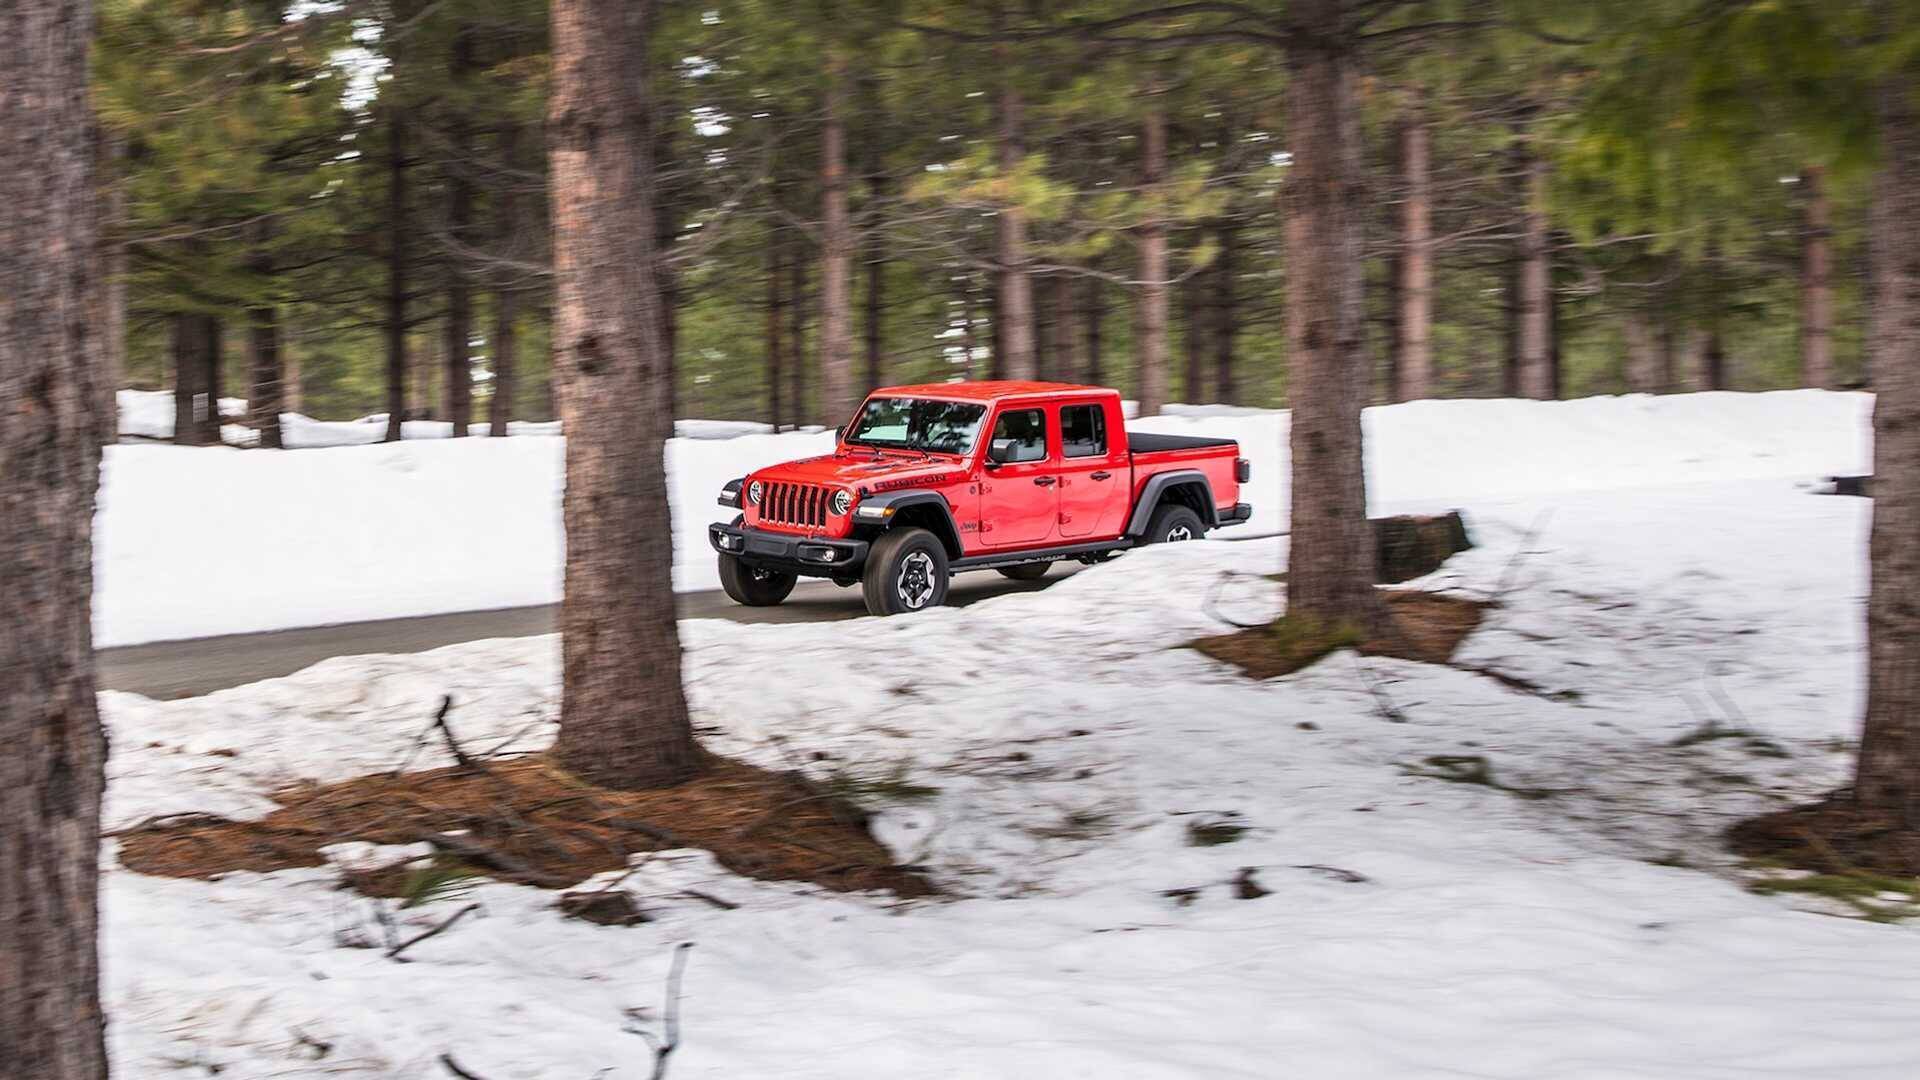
(208, 541)
(1409, 927)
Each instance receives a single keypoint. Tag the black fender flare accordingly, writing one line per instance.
(881, 509)
(1161, 483)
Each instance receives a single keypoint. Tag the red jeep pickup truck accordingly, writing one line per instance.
(913, 493)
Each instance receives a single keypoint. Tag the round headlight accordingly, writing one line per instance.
(842, 502)
(754, 491)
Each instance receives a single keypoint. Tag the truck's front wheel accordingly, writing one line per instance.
(906, 571)
(754, 586)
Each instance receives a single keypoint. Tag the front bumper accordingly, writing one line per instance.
(810, 556)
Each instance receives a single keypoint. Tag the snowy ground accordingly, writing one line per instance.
(1653, 578)
(193, 542)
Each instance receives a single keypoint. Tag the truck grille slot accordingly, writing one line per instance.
(795, 504)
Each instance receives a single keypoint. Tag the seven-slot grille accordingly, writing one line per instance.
(795, 504)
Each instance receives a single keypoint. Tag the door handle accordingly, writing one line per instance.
(1045, 481)
(1100, 476)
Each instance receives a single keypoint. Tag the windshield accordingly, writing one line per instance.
(941, 427)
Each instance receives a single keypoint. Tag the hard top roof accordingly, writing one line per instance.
(988, 390)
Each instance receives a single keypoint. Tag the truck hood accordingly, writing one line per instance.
(856, 469)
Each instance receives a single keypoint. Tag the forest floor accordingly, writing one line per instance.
(1147, 864)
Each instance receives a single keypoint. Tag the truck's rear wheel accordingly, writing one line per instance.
(1172, 524)
(906, 571)
(1026, 571)
(754, 586)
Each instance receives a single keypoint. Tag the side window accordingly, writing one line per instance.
(1026, 431)
(1083, 431)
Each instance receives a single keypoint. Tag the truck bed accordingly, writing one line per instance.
(1145, 443)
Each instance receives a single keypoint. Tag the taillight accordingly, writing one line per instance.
(1242, 470)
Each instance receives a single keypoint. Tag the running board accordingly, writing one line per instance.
(1015, 558)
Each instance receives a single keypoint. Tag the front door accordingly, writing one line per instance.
(1020, 498)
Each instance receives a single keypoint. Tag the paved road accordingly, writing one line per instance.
(177, 669)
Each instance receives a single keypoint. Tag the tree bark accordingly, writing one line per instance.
(397, 241)
(51, 366)
(836, 262)
(1197, 342)
(265, 402)
(1226, 321)
(623, 712)
(1414, 318)
(1150, 343)
(1535, 330)
(506, 360)
(189, 370)
(876, 254)
(1066, 338)
(1330, 569)
(797, 335)
(1094, 313)
(214, 335)
(1816, 281)
(1642, 371)
(1013, 304)
(1888, 777)
(776, 322)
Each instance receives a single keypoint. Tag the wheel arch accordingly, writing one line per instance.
(1184, 487)
(919, 509)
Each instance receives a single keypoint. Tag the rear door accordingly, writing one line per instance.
(1093, 471)
(1020, 500)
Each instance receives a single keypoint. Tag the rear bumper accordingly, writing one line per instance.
(813, 557)
(1239, 514)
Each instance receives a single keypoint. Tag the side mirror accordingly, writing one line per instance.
(1000, 451)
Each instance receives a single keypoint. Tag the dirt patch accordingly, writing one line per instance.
(1424, 626)
(527, 821)
(1834, 837)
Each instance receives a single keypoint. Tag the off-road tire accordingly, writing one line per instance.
(906, 572)
(754, 586)
(1026, 571)
(1173, 523)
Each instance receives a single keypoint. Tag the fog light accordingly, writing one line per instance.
(819, 554)
(729, 541)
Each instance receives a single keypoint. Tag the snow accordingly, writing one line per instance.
(195, 542)
(1071, 741)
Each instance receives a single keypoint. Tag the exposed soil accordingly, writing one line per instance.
(1830, 837)
(528, 821)
(1428, 627)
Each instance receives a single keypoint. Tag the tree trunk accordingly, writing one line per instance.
(1330, 569)
(189, 369)
(506, 360)
(876, 255)
(1013, 305)
(1414, 317)
(1692, 360)
(623, 712)
(1535, 360)
(968, 323)
(51, 366)
(1226, 320)
(264, 400)
(1642, 371)
(1714, 358)
(1816, 284)
(397, 241)
(1197, 342)
(776, 322)
(1066, 339)
(836, 263)
(113, 281)
(797, 335)
(1094, 314)
(1888, 780)
(996, 329)
(459, 325)
(214, 335)
(1150, 343)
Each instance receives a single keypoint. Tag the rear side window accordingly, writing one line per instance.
(1026, 429)
(1083, 430)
